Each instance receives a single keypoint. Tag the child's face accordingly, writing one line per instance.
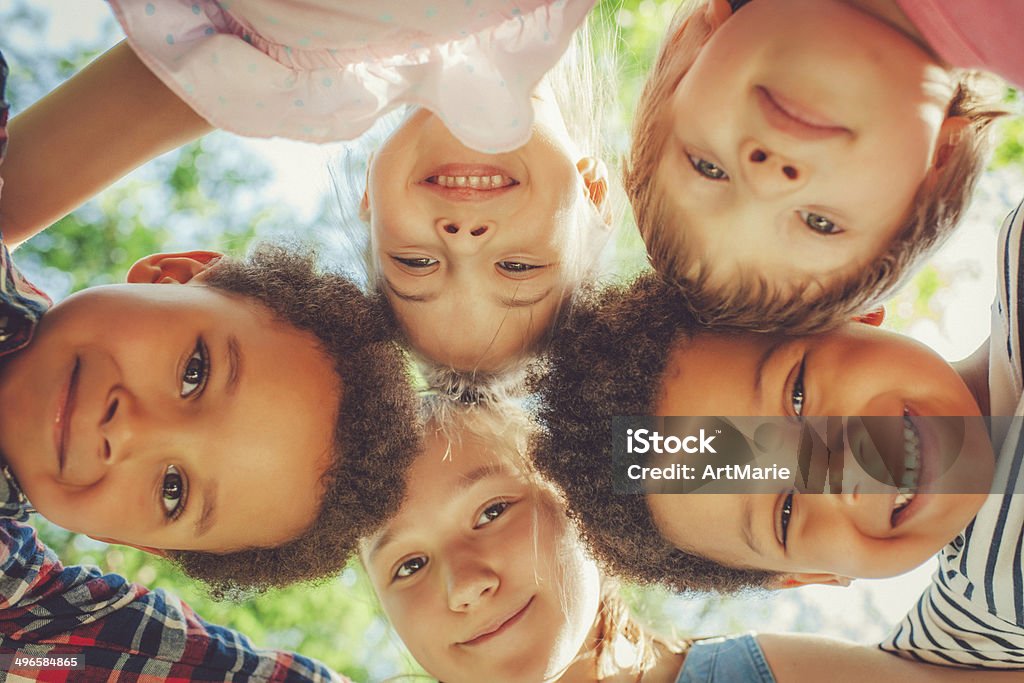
(169, 417)
(855, 371)
(479, 573)
(475, 249)
(797, 141)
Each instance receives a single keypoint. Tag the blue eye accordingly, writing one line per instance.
(410, 567)
(174, 493)
(709, 170)
(820, 224)
(197, 370)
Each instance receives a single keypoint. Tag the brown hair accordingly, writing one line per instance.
(752, 303)
(376, 433)
(607, 360)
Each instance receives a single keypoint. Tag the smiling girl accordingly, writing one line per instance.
(483, 578)
(477, 253)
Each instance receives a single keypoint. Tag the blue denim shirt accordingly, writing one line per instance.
(731, 659)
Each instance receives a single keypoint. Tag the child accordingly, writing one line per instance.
(793, 160)
(791, 538)
(475, 252)
(483, 579)
(149, 414)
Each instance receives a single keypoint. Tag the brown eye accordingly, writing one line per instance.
(410, 567)
(193, 378)
(173, 493)
(424, 262)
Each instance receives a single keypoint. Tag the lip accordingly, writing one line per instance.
(794, 119)
(499, 626)
(929, 444)
(468, 194)
(66, 401)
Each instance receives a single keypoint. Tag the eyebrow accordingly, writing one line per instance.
(209, 513)
(762, 363)
(465, 482)
(747, 526)
(234, 365)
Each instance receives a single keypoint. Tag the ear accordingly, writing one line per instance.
(364, 203)
(145, 548)
(364, 207)
(717, 12)
(950, 134)
(809, 579)
(176, 268)
(874, 317)
(595, 179)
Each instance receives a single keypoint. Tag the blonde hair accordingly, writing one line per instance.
(751, 303)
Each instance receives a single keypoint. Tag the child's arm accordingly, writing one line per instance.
(803, 658)
(973, 370)
(96, 127)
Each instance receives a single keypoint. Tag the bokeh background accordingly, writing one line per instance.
(224, 191)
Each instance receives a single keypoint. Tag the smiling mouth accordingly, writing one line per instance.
(910, 478)
(473, 182)
(62, 422)
(499, 626)
(469, 182)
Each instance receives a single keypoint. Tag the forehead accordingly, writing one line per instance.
(716, 374)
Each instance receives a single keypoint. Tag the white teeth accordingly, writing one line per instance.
(902, 501)
(473, 182)
(911, 455)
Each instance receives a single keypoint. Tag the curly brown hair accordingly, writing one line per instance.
(750, 302)
(376, 433)
(607, 360)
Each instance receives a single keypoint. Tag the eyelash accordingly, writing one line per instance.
(699, 164)
(831, 228)
(503, 504)
(797, 396)
(515, 267)
(196, 372)
(422, 262)
(415, 564)
(785, 515)
(175, 485)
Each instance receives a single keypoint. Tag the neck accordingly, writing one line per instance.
(889, 12)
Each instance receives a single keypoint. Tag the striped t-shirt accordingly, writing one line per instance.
(972, 614)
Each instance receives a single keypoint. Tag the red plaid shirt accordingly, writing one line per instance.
(117, 630)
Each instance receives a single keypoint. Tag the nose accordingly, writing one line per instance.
(464, 235)
(470, 582)
(127, 429)
(769, 173)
